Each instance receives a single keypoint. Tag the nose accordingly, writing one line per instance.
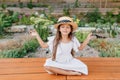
(65, 27)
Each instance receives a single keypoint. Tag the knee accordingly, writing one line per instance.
(47, 67)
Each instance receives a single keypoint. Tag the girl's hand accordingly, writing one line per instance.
(89, 37)
(33, 33)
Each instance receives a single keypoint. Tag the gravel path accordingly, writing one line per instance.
(20, 37)
(87, 52)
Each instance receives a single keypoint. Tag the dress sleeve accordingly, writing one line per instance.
(50, 43)
(76, 44)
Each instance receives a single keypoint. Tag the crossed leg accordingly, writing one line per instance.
(55, 70)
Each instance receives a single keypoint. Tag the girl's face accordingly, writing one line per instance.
(65, 29)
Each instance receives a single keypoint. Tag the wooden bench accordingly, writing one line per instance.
(32, 69)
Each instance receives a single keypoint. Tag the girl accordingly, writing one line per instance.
(63, 46)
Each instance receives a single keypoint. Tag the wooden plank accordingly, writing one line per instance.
(17, 65)
(100, 69)
(13, 70)
(22, 60)
(41, 76)
(21, 65)
(10, 65)
(28, 60)
(96, 76)
(100, 59)
(104, 69)
(89, 61)
(25, 68)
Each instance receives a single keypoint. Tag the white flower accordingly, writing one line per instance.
(36, 13)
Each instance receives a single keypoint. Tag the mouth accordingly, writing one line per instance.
(64, 31)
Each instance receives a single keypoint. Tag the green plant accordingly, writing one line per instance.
(109, 17)
(108, 28)
(92, 24)
(118, 18)
(42, 5)
(76, 4)
(81, 36)
(14, 5)
(106, 48)
(93, 16)
(21, 4)
(66, 10)
(82, 23)
(41, 25)
(30, 46)
(5, 21)
(24, 19)
(4, 6)
(43, 32)
(15, 17)
(76, 20)
(112, 29)
(50, 9)
(1, 24)
(49, 16)
(27, 47)
(9, 53)
(30, 4)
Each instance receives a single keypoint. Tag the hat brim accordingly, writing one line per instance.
(74, 25)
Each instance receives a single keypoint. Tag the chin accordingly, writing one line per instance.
(65, 34)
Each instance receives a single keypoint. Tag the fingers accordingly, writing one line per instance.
(90, 34)
(33, 30)
(30, 32)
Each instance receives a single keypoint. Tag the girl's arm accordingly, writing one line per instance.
(85, 42)
(41, 42)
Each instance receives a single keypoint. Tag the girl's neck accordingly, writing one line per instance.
(65, 38)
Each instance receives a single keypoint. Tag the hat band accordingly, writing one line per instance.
(62, 21)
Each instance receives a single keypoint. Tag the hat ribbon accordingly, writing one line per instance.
(62, 21)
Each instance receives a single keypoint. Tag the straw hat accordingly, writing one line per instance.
(66, 20)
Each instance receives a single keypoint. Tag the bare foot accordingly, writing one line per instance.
(74, 73)
(77, 73)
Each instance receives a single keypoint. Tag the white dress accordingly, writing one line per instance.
(64, 59)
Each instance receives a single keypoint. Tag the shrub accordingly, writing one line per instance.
(24, 19)
(4, 6)
(29, 46)
(76, 4)
(106, 48)
(93, 16)
(30, 4)
(21, 5)
(81, 36)
(41, 25)
(6, 19)
(66, 10)
(10, 54)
